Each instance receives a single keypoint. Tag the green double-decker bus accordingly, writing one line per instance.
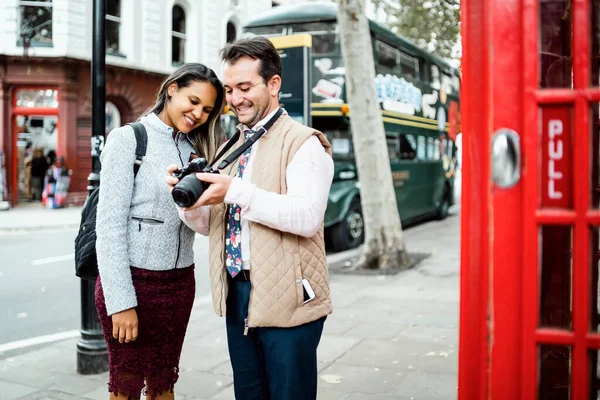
(419, 98)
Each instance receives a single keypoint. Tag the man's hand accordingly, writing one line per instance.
(125, 325)
(215, 194)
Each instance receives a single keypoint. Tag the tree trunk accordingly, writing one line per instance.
(384, 242)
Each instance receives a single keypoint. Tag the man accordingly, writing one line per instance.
(265, 226)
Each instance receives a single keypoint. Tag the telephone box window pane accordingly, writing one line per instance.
(595, 155)
(594, 283)
(556, 276)
(594, 373)
(595, 42)
(556, 188)
(556, 68)
(554, 372)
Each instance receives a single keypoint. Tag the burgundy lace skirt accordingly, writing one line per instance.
(165, 300)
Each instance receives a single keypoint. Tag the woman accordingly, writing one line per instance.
(146, 287)
(56, 184)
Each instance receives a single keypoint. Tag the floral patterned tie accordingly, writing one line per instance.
(233, 243)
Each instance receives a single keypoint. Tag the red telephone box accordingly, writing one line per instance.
(530, 223)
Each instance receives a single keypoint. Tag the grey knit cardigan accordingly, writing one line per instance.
(137, 224)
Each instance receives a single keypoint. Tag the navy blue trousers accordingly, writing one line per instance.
(270, 363)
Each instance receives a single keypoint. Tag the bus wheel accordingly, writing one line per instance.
(350, 232)
(443, 209)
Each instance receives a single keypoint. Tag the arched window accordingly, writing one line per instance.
(113, 117)
(231, 32)
(178, 36)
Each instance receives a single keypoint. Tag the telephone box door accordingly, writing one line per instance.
(531, 197)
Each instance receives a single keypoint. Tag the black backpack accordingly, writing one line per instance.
(86, 262)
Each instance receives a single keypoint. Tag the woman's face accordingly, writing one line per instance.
(190, 106)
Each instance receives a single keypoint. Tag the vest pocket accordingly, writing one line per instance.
(298, 281)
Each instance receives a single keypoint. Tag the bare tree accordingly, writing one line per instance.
(433, 25)
(384, 241)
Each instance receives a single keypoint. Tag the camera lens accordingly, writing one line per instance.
(187, 191)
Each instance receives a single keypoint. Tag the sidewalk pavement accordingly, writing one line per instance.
(35, 216)
(389, 337)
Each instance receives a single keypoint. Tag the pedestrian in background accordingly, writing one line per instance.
(39, 166)
(146, 287)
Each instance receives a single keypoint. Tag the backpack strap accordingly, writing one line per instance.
(141, 137)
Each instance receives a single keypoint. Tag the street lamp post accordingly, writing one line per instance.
(92, 356)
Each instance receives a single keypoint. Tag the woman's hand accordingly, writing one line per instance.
(170, 179)
(125, 325)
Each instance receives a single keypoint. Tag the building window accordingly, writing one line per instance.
(231, 32)
(113, 26)
(34, 98)
(178, 36)
(113, 117)
(36, 22)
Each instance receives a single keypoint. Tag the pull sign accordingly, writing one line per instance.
(556, 157)
(506, 158)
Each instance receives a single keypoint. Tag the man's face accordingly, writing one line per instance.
(250, 98)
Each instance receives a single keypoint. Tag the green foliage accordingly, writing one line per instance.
(433, 25)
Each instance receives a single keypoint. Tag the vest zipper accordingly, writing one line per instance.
(221, 275)
(222, 295)
(176, 139)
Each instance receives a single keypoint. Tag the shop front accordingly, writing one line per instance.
(45, 122)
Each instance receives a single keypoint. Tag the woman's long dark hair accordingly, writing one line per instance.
(207, 136)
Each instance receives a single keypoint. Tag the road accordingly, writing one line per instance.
(39, 293)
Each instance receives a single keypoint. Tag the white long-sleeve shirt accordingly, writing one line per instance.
(300, 211)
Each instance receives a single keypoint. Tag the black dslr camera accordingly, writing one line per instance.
(189, 188)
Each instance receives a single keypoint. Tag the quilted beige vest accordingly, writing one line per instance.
(279, 261)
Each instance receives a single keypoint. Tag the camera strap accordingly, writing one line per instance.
(249, 142)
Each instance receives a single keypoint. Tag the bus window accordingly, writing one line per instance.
(273, 30)
(423, 71)
(456, 82)
(407, 147)
(430, 147)
(340, 146)
(409, 65)
(325, 35)
(436, 149)
(393, 148)
(449, 148)
(421, 148)
(434, 77)
(447, 83)
(387, 56)
(341, 142)
(229, 124)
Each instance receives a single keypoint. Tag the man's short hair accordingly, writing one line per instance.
(256, 48)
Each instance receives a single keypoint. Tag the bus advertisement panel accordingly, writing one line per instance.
(295, 85)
